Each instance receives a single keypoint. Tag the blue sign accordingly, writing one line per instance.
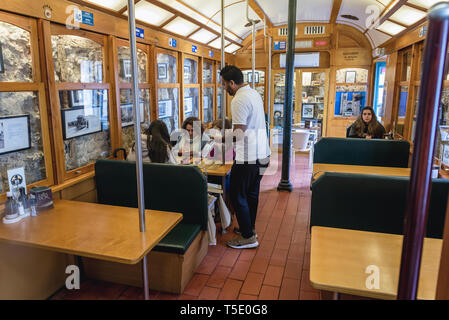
(211, 54)
(88, 18)
(282, 45)
(172, 42)
(140, 33)
(194, 49)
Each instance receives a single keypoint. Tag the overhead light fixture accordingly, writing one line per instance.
(151, 14)
(203, 36)
(407, 15)
(390, 28)
(114, 5)
(232, 48)
(181, 26)
(217, 43)
(350, 17)
(424, 3)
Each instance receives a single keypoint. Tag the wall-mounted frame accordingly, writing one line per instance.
(2, 65)
(125, 68)
(165, 108)
(78, 122)
(205, 102)
(187, 73)
(162, 70)
(307, 110)
(350, 77)
(76, 98)
(127, 114)
(256, 77)
(15, 133)
(188, 104)
(445, 155)
(319, 99)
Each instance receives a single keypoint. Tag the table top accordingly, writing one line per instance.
(339, 259)
(213, 169)
(320, 168)
(92, 230)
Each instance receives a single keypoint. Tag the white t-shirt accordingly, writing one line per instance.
(247, 109)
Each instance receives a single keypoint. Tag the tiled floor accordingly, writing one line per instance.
(277, 269)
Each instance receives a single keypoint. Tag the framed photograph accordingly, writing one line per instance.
(256, 77)
(188, 104)
(187, 73)
(205, 102)
(445, 155)
(307, 110)
(2, 65)
(76, 98)
(165, 108)
(78, 122)
(319, 99)
(125, 68)
(162, 70)
(350, 76)
(444, 133)
(127, 114)
(15, 133)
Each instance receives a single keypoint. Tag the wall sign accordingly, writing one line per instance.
(140, 33)
(88, 18)
(353, 57)
(211, 54)
(422, 31)
(194, 49)
(16, 179)
(172, 42)
(15, 133)
(279, 45)
(320, 43)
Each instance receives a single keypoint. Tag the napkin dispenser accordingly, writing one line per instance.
(44, 198)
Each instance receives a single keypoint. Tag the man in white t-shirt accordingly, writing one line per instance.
(252, 154)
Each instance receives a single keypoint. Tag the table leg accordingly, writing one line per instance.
(146, 287)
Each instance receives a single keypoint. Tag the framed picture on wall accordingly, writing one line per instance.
(205, 102)
(78, 122)
(15, 133)
(256, 77)
(445, 155)
(165, 108)
(127, 114)
(350, 77)
(125, 68)
(76, 98)
(188, 104)
(162, 71)
(319, 99)
(307, 110)
(187, 73)
(2, 65)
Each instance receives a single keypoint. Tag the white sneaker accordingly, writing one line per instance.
(243, 243)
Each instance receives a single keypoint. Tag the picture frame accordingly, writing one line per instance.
(307, 110)
(187, 73)
(77, 122)
(125, 68)
(205, 102)
(15, 133)
(319, 99)
(2, 65)
(445, 155)
(76, 98)
(188, 104)
(162, 71)
(165, 108)
(256, 77)
(127, 114)
(350, 77)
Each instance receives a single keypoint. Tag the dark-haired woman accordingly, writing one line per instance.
(366, 126)
(156, 145)
(191, 142)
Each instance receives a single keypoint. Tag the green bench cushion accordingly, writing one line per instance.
(363, 152)
(179, 239)
(372, 203)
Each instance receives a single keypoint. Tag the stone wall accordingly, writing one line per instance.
(124, 54)
(16, 49)
(17, 61)
(20, 103)
(77, 59)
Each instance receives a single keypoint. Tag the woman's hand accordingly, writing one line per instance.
(368, 137)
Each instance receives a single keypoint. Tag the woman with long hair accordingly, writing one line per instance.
(190, 141)
(156, 145)
(366, 126)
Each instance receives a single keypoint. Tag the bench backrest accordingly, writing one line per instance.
(167, 187)
(372, 203)
(363, 152)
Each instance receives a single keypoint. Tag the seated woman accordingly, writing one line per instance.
(216, 148)
(156, 145)
(191, 143)
(366, 126)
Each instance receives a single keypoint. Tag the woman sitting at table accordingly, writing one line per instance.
(366, 126)
(156, 145)
(189, 142)
(216, 148)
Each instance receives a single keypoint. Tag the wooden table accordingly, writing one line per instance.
(339, 259)
(320, 168)
(92, 230)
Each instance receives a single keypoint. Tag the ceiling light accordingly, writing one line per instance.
(203, 36)
(115, 5)
(151, 14)
(232, 48)
(181, 26)
(390, 28)
(217, 43)
(407, 15)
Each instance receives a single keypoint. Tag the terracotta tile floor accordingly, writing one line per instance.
(277, 269)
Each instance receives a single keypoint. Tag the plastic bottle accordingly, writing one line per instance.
(33, 203)
(10, 207)
(21, 202)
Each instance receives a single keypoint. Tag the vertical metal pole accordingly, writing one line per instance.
(138, 146)
(253, 81)
(223, 93)
(269, 81)
(284, 184)
(420, 179)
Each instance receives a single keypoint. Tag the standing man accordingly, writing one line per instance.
(252, 154)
